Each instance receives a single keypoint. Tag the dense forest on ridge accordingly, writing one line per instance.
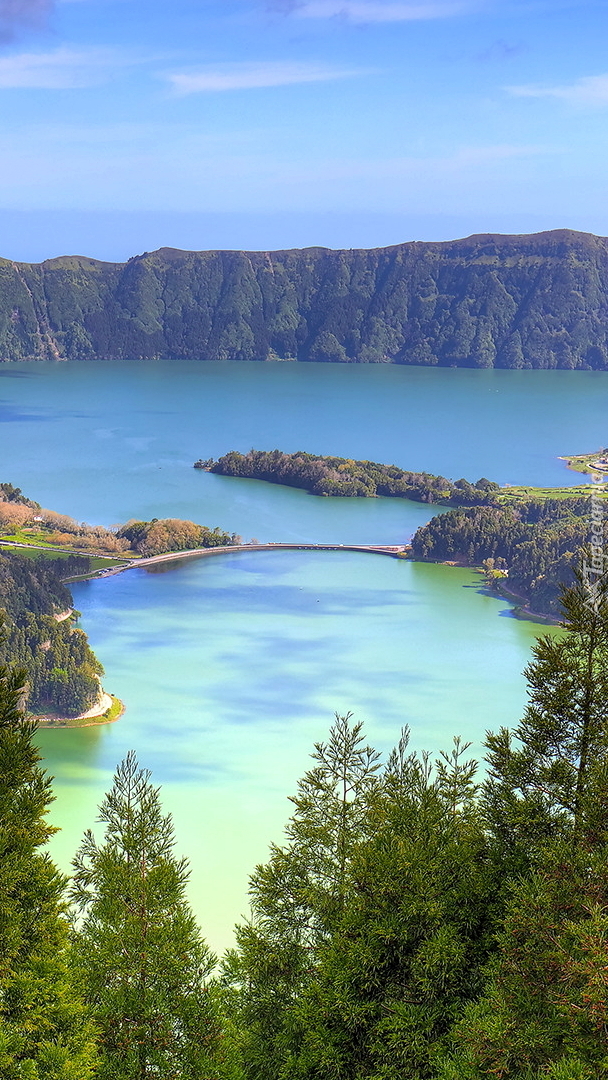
(538, 301)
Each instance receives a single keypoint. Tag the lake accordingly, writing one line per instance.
(232, 667)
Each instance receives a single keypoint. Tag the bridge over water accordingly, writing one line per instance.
(395, 551)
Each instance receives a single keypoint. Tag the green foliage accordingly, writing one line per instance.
(163, 535)
(12, 494)
(545, 1004)
(298, 898)
(63, 673)
(409, 948)
(345, 477)
(142, 962)
(45, 1031)
(544, 1009)
(545, 777)
(371, 926)
(537, 542)
(535, 301)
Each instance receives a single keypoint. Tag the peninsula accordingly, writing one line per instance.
(592, 464)
(347, 478)
(40, 552)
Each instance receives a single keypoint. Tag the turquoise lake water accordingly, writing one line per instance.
(232, 667)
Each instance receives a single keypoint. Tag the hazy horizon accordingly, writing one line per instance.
(36, 236)
(266, 124)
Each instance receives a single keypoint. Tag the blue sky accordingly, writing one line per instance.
(125, 124)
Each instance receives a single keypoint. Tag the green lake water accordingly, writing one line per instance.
(231, 667)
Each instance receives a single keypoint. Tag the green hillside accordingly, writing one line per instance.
(536, 301)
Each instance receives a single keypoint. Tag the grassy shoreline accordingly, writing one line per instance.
(111, 714)
(584, 463)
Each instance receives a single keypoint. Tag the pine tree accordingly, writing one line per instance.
(45, 1031)
(543, 777)
(297, 899)
(544, 1011)
(138, 949)
(408, 951)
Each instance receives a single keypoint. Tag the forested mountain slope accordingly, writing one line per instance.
(63, 671)
(487, 301)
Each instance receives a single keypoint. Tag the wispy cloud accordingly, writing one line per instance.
(372, 11)
(61, 69)
(19, 15)
(243, 76)
(154, 166)
(471, 161)
(590, 90)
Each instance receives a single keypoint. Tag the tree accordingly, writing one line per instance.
(13, 516)
(45, 1032)
(297, 899)
(543, 777)
(139, 952)
(544, 1010)
(409, 949)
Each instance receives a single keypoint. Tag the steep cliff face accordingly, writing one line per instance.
(488, 301)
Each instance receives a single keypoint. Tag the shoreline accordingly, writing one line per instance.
(92, 718)
(587, 464)
(522, 611)
(497, 589)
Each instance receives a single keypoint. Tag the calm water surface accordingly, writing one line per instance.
(107, 441)
(232, 667)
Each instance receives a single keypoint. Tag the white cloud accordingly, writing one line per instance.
(252, 76)
(590, 90)
(62, 69)
(376, 11)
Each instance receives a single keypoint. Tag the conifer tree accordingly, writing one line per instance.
(410, 946)
(138, 950)
(297, 899)
(45, 1032)
(543, 776)
(544, 1011)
